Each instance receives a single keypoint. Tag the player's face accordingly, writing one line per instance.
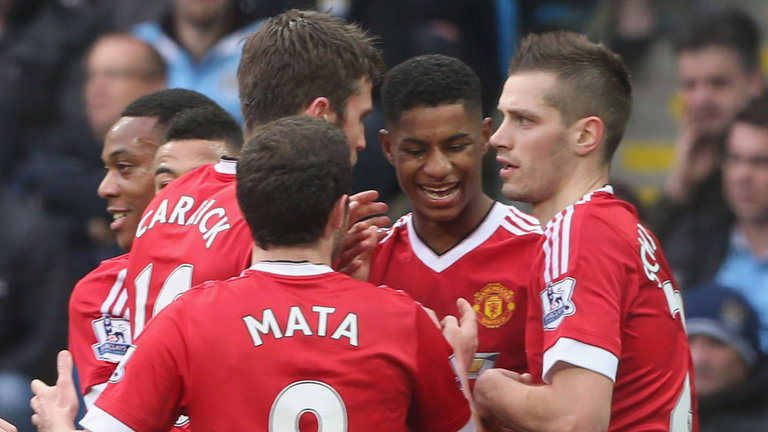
(178, 157)
(359, 105)
(531, 140)
(745, 172)
(437, 153)
(714, 87)
(717, 367)
(128, 184)
(116, 75)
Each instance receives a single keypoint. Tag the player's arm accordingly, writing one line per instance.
(577, 400)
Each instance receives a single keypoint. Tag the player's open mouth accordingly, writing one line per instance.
(116, 216)
(442, 192)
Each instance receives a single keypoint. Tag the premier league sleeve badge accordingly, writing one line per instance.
(113, 337)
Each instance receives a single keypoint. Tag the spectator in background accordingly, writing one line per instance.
(201, 41)
(730, 370)
(34, 285)
(718, 73)
(731, 247)
(120, 68)
(63, 168)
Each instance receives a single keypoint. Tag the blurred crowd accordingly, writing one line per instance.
(69, 67)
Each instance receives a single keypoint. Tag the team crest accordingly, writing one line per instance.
(494, 305)
(113, 336)
(556, 303)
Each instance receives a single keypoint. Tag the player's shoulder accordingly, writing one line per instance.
(598, 219)
(603, 209)
(397, 229)
(516, 221)
(109, 268)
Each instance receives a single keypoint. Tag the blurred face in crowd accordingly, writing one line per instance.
(437, 153)
(202, 12)
(177, 157)
(128, 184)
(745, 173)
(714, 87)
(118, 71)
(359, 105)
(531, 140)
(717, 367)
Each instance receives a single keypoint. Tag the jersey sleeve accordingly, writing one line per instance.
(582, 306)
(99, 331)
(438, 404)
(146, 392)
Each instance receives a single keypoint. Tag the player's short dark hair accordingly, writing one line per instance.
(730, 28)
(298, 56)
(208, 123)
(429, 81)
(165, 104)
(289, 175)
(755, 113)
(592, 80)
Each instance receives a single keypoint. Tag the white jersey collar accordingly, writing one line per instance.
(292, 268)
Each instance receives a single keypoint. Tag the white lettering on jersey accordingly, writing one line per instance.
(296, 322)
(210, 221)
(651, 268)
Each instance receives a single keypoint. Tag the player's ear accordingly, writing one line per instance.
(386, 145)
(321, 107)
(588, 134)
(339, 214)
(486, 132)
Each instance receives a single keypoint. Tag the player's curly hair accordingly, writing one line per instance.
(290, 174)
(429, 81)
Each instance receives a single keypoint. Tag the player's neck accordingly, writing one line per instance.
(572, 190)
(318, 254)
(441, 236)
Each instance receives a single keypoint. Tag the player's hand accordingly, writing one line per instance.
(7, 427)
(462, 335)
(356, 250)
(363, 205)
(56, 407)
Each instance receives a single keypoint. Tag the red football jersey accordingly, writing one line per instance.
(287, 344)
(604, 299)
(99, 329)
(190, 233)
(490, 268)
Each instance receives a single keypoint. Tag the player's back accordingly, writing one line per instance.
(490, 268)
(298, 337)
(191, 232)
(608, 285)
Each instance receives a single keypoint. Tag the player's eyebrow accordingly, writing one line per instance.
(163, 170)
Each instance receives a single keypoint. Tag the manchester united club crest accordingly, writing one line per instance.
(494, 305)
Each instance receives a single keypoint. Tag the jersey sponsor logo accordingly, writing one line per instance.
(210, 220)
(494, 305)
(556, 302)
(113, 336)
